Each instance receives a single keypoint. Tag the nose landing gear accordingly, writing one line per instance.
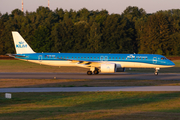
(156, 71)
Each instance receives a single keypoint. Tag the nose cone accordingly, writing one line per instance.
(171, 63)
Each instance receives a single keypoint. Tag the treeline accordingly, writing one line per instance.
(84, 31)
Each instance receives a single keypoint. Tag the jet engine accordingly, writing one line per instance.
(111, 68)
(108, 68)
(119, 68)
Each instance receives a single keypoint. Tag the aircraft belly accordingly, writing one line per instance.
(54, 63)
(140, 65)
(122, 64)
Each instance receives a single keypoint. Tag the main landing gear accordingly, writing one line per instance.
(95, 72)
(89, 72)
(156, 71)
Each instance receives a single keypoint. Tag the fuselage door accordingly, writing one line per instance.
(40, 58)
(104, 58)
(154, 60)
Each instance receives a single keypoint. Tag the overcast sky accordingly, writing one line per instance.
(113, 6)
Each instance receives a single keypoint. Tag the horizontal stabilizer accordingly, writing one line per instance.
(14, 55)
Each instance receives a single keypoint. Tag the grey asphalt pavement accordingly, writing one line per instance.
(116, 76)
(91, 89)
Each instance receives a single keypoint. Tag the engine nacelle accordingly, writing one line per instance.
(111, 68)
(108, 68)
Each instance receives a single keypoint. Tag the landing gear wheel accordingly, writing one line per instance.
(156, 73)
(96, 72)
(89, 72)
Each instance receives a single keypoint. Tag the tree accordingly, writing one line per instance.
(41, 41)
(155, 36)
(133, 31)
(133, 14)
(94, 44)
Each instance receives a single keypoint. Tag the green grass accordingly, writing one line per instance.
(24, 66)
(177, 63)
(91, 105)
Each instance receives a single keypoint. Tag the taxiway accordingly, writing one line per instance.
(119, 76)
(91, 89)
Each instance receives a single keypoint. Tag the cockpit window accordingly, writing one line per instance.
(163, 58)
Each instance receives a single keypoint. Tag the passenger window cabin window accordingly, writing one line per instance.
(94, 57)
(109, 57)
(81, 57)
(91, 57)
(98, 57)
(105, 57)
(119, 58)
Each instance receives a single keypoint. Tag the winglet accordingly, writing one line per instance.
(20, 44)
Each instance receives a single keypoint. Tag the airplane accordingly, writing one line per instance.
(96, 62)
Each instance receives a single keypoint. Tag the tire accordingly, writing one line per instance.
(89, 72)
(156, 73)
(96, 72)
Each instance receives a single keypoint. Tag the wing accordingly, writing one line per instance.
(85, 63)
